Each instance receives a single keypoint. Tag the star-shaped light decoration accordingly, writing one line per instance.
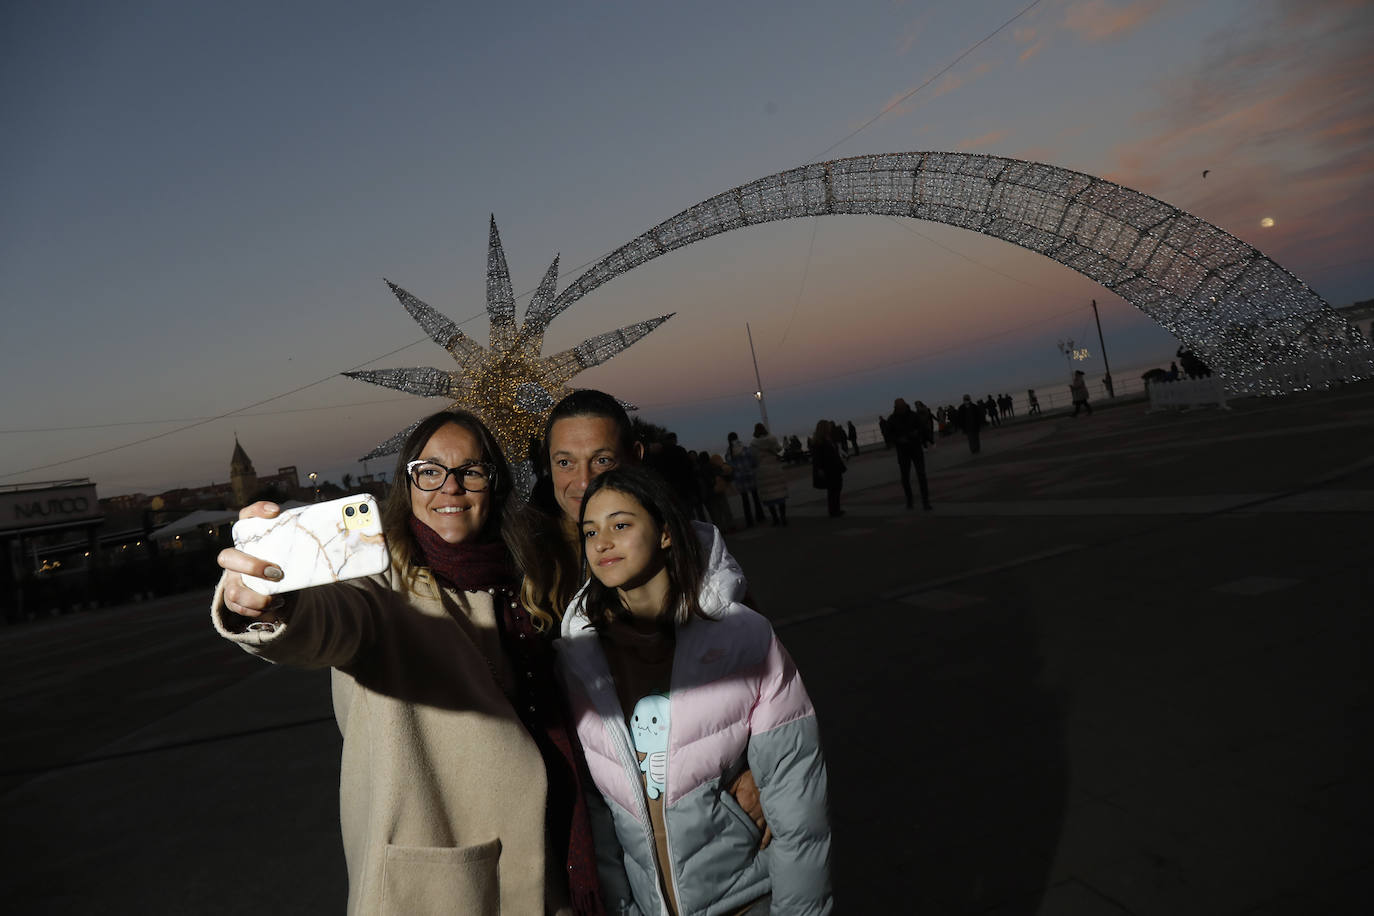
(511, 386)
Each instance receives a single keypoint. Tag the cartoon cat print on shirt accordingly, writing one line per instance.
(649, 728)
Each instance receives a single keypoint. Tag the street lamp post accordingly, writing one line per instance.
(312, 475)
(1111, 392)
(758, 384)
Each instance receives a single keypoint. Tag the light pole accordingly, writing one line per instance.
(758, 384)
(312, 475)
(1111, 392)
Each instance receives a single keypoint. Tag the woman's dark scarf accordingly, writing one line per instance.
(486, 566)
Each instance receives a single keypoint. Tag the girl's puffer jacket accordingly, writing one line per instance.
(736, 700)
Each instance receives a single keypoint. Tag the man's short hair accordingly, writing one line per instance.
(591, 403)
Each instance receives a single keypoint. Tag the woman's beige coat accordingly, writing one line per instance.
(441, 791)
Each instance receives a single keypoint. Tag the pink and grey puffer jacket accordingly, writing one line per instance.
(736, 700)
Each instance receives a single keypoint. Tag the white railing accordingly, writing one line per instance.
(1187, 392)
(1305, 375)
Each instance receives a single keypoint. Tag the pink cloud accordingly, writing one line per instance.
(1283, 131)
(909, 36)
(986, 140)
(948, 83)
(1036, 154)
(899, 105)
(1031, 51)
(1097, 20)
(952, 81)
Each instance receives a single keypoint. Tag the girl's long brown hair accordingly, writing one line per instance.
(685, 561)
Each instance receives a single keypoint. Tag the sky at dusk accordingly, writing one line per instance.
(201, 201)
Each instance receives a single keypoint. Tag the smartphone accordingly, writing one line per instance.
(315, 544)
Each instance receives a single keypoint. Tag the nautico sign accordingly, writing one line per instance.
(44, 505)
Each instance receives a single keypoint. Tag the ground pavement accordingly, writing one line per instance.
(1122, 668)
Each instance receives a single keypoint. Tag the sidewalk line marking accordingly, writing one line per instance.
(910, 590)
(1254, 585)
(940, 600)
(805, 616)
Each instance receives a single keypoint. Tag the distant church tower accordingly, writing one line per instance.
(242, 478)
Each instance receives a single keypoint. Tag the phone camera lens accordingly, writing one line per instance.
(349, 512)
(362, 509)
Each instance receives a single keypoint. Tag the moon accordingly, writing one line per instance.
(1267, 222)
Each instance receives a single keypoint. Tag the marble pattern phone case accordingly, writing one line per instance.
(325, 542)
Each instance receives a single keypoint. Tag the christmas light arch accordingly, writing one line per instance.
(1235, 308)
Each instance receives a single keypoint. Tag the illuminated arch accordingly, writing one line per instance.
(1238, 310)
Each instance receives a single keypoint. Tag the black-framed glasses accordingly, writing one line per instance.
(473, 477)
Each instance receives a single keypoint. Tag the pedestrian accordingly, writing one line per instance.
(673, 681)
(993, 416)
(772, 482)
(587, 434)
(853, 437)
(926, 421)
(679, 470)
(971, 422)
(1078, 388)
(459, 767)
(838, 436)
(909, 434)
(1034, 402)
(714, 481)
(883, 431)
(827, 468)
(744, 463)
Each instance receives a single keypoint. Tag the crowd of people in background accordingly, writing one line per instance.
(753, 471)
(705, 482)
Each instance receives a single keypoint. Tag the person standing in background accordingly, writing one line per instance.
(745, 464)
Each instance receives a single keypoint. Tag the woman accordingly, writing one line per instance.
(827, 467)
(772, 482)
(744, 465)
(460, 788)
(1078, 388)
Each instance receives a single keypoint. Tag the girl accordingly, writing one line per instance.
(675, 688)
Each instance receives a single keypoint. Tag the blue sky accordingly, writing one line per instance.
(202, 200)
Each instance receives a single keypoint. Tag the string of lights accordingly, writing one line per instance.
(510, 385)
(1236, 309)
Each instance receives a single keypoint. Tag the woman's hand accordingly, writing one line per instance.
(237, 596)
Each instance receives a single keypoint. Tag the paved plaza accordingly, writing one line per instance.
(1122, 668)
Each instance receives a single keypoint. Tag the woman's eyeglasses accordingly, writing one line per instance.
(473, 477)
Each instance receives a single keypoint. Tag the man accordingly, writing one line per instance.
(909, 434)
(970, 420)
(587, 434)
(677, 468)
